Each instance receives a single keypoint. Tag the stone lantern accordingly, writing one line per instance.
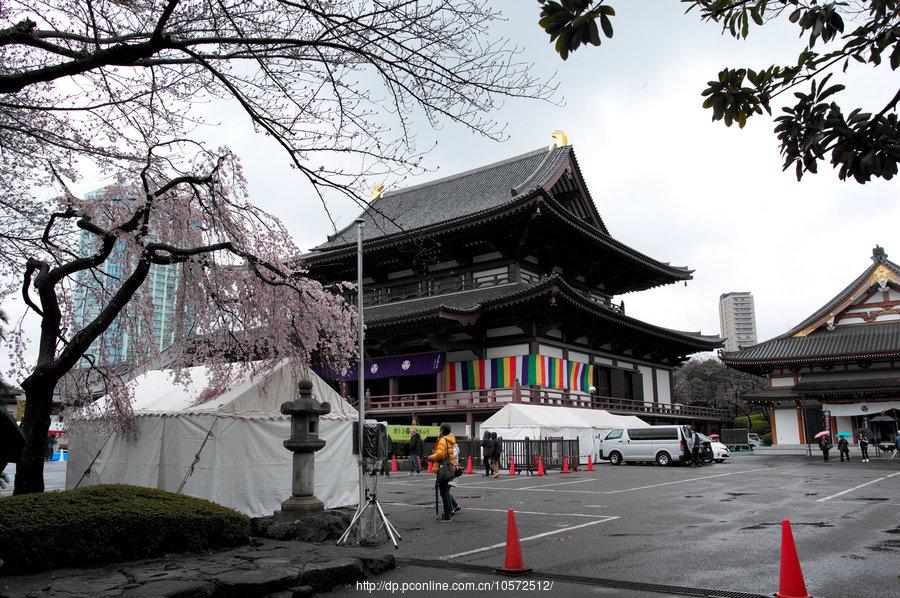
(304, 442)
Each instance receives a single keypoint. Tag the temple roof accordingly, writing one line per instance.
(872, 341)
(480, 301)
(817, 339)
(489, 194)
(456, 196)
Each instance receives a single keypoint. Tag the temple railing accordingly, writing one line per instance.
(441, 285)
(498, 397)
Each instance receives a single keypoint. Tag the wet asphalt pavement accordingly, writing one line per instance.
(716, 527)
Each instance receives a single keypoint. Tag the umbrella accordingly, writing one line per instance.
(820, 434)
(716, 436)
(881, 418)
(844, 435)
(869, 434)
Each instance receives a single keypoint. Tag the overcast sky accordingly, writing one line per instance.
(666, 180)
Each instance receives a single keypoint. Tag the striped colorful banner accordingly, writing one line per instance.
(503, 372)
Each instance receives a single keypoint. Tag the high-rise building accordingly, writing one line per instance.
(163, 283)
(737, 320)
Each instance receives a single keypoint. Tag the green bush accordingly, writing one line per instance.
(757, 423)
(767, 439)
(102, 524)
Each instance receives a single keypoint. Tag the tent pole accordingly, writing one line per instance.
(360, 363)
(190, 471)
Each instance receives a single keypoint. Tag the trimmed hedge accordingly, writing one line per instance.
(103, 524)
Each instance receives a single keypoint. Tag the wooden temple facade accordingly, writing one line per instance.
(499, 284)
(839, 369)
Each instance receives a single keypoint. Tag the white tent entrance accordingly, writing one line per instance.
(518, 421)
(242, 465)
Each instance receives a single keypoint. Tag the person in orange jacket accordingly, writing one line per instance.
(443, 451)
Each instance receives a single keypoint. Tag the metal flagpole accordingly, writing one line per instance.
(360, 363)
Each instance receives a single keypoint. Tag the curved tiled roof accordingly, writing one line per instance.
(476, 301)
(453, 197)
(872, 340)
(809, 341)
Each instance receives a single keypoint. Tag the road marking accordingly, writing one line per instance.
(559, 484)
(527, 538)
(857, 487)
(518, 512)
(707, 477)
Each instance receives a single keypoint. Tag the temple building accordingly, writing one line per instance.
(500, 284)
(839, 369)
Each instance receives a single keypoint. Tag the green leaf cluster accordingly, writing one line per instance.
(103, 524)
(573, 23)
(861, 146)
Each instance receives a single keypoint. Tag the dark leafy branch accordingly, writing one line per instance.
(860, 145)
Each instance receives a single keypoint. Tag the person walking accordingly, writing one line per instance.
(496, 452)
(487, 447)
(415, 451)
(442, 455)
(825, 445)
(864, 446)
(844, 448)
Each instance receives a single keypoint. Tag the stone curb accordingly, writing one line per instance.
(273, 579)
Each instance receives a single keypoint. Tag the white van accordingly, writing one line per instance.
(663, 444)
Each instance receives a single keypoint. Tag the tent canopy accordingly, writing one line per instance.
(517, 421)
(243, 463)
(517, 415)
(157, 393)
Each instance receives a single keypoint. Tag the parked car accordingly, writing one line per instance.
(720, 451)
(662, 444)
(755, 440)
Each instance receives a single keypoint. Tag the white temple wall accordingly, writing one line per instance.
(786, 426)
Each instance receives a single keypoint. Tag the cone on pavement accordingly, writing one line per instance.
(590, 464)
(513, 564)
(430, 467)
(393, 463)
(512, 466)
(540, 470)
(565, 468)
(790, 583)
(469, 466)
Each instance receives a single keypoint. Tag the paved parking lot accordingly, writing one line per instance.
(714, 527)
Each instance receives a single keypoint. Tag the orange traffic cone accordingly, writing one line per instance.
(540, 466)
(469, 466)
(393, 463)
(590, 464)
(430, 467)
(513, 564)
(565, 464)
(512, 466)
(790, 583)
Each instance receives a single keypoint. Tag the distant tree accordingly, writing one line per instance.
(113, 85)
(860, 144)
(710, 382)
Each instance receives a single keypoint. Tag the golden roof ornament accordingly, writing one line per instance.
(378, 191)
(560, 139)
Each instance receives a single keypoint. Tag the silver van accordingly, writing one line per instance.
(663, 444)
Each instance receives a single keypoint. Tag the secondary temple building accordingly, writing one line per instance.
(499, 284)
(839, 369)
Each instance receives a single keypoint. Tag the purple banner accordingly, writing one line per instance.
(418, 364)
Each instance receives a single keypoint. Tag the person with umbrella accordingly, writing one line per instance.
(824, 444)
(844, 446)
(863, 439)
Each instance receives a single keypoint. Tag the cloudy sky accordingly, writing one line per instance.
(666, 180)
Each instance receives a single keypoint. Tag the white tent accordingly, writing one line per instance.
(243, 464)
(516, 421)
